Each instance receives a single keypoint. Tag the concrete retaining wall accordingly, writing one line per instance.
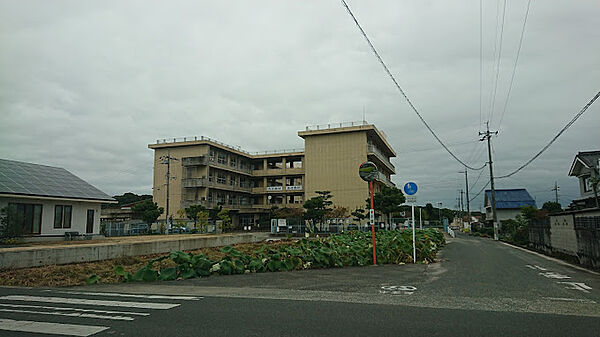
(33, 257)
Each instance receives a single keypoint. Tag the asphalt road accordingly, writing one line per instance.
(479, 288)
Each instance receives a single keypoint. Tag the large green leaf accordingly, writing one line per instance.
(168, 274)
(226, 267)
(274, 265)
(93, 279)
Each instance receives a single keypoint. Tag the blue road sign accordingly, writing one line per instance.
(410, 188)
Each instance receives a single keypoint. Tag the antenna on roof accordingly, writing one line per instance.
(364, 120)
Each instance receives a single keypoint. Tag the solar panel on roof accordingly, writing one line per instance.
(32, 179)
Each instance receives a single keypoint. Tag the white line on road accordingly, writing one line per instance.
(551, 258)
(144, 305)
(69, 314)
(152, 297)
(577, 286)
(569, 299)
(73, 309)
(50, 328)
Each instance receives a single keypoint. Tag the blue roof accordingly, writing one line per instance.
(513, 198)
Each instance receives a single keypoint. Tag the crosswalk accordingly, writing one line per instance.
(96, 309)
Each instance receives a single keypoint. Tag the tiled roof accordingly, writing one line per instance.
(590, 158)
(511, 198)
(40, 180)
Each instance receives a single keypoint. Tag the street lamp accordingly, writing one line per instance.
(440, 212)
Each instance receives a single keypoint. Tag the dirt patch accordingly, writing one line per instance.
(77, 274)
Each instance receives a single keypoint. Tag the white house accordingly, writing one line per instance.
(49, 201)
(508, 203)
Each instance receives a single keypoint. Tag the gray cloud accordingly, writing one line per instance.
(87, 85)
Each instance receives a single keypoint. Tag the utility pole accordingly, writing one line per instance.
(487, 135)
(467, 188)
(167, 161)
(555, 189)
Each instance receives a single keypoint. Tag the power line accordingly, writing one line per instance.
(476, 180)
(512, 78)
(364, 34)
(573, 120)
(480, 61)
(478, 193)
(493, 102)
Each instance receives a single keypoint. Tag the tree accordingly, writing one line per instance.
(337, 212)
(387, 200)
(552, 207)
(181, 215)
(129, 198)
(288, 212)
(317, 207)
(429, 211)
(202, 220)
(147, 211)
(359, 214)
(225, 219)
(193, 211)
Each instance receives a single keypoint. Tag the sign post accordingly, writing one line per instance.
(410, 189)
(368, 172)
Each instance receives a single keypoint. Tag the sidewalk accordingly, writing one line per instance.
(64, 252)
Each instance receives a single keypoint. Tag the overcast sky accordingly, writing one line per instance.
(87, 85)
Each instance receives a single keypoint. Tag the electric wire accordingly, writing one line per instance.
(387, 70)
(476, 180)
(498, 61)
(480, 62)
(512, 78)
(573, 120)
(478, 193)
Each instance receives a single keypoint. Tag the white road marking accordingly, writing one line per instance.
(569, 299)
(397, 290)
(152, 297)
(73, 309)
(577, 286)
(536, 267)
(50, 328)
(144, 305)
(69, 314)
(554, 275)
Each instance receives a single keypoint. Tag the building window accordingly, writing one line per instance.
(587, 184)
(28, 217)
(232, 181)
(243, 182)
(211, 155)
(210, 177)
(221, 179)
(232, 200)
(221, 159)
(244, 200)
(243, 165)
(62, 216)
(210, 197)
(233, 161)
(220, 198)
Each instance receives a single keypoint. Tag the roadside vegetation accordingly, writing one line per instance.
(351, 249)
(336, 251)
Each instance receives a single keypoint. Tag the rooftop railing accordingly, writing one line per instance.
(232, 147)
(335, 125)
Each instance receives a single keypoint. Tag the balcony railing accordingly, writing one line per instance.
(380, 156)
(203, 160)
(203, 182)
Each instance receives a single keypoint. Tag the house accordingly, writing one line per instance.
(585, 167)
(508, 203)
(47, 201)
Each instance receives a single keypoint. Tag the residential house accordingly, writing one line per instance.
(47, 201)
(585, 167)
(508, 203)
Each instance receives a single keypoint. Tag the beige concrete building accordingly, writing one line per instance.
(207, 172)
